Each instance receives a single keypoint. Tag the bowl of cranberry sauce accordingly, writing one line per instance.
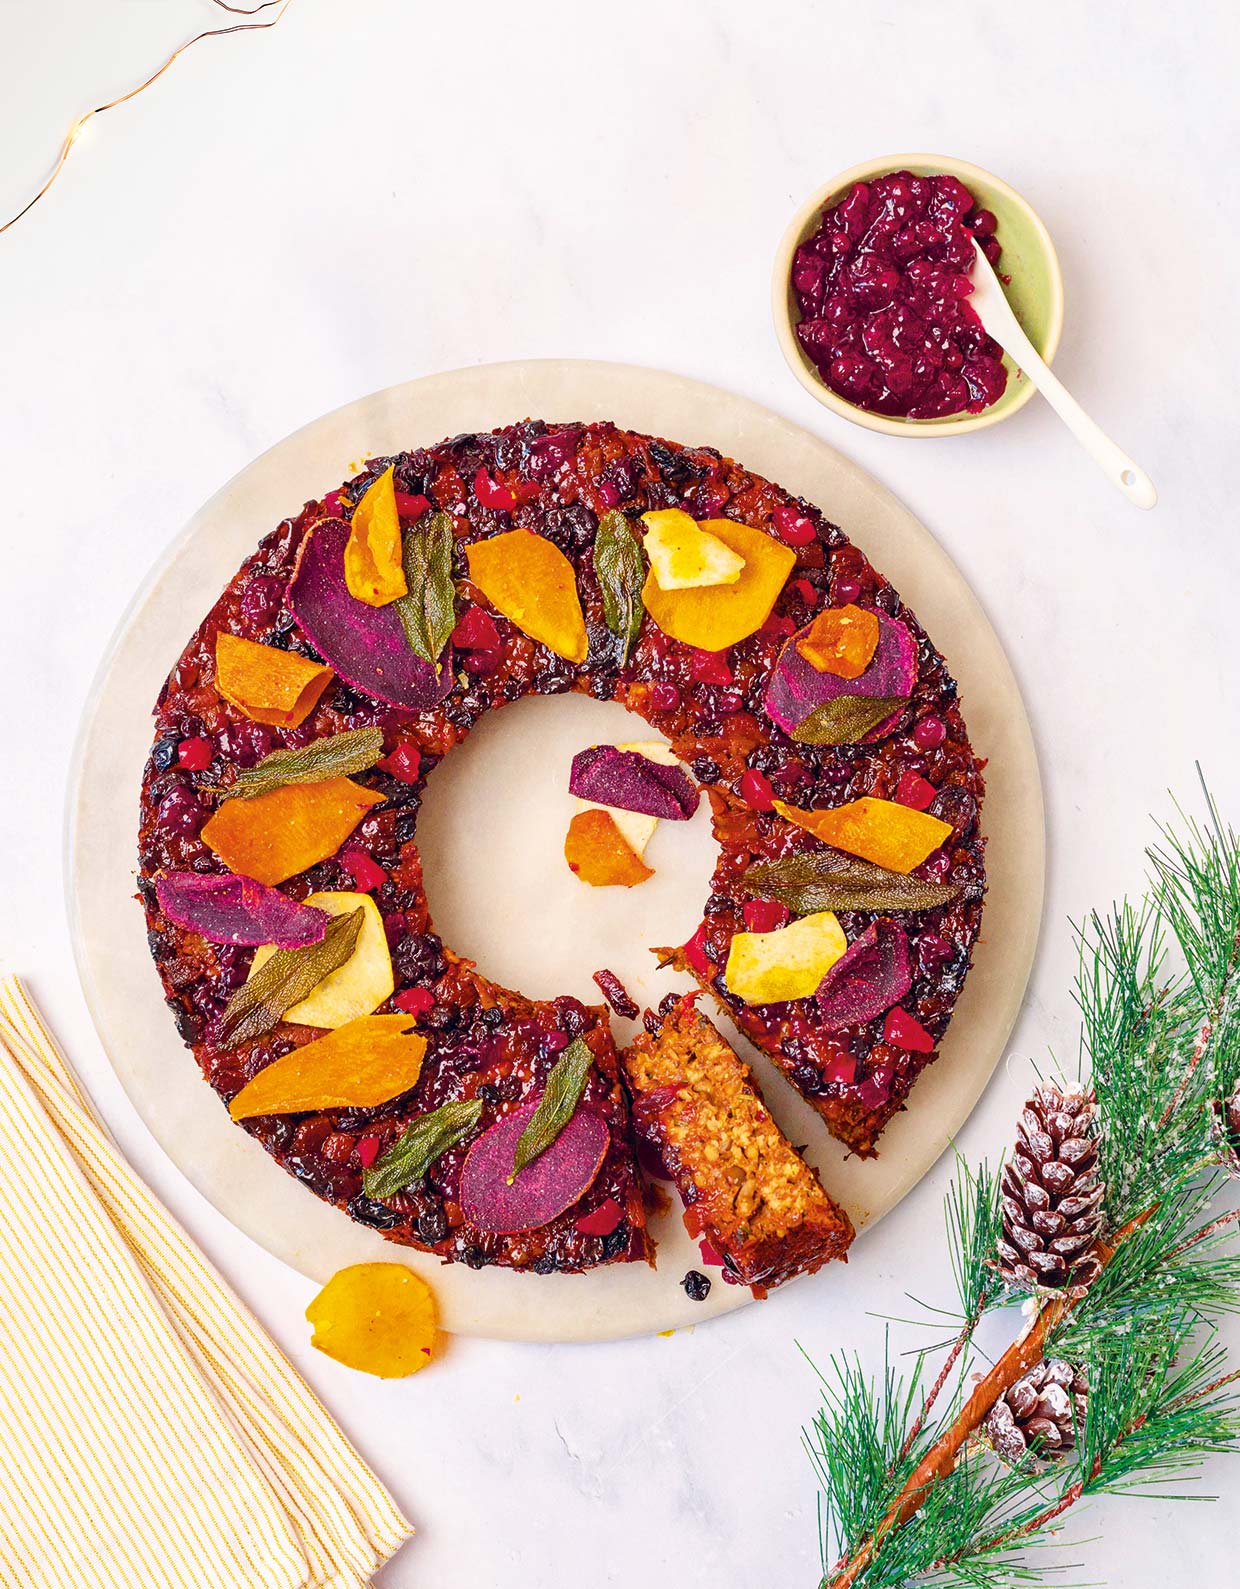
(871, 295)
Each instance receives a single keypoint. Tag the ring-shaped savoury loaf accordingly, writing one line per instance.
(360, 643)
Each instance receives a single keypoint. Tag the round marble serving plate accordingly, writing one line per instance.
(491, 834)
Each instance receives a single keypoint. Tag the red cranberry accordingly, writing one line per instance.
(194, 754)
(929, 733)
(903, 1030)
(554, 1042)
(793, 526)
(846, 590)
(609, 492)
(403, 763)
(729, 701)
(367, 1151)
(765, 915)
(482, 664)
(983, 222)
(710, 667)
(664, 697)
(914, 790)
(476, 631)
(367, 875)
(806, 592)
(602, 1220)
(412, 507)
(756, 790)
(695, 952)
(415, 1001)
(491, 494)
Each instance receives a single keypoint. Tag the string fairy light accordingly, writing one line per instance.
(77, 128)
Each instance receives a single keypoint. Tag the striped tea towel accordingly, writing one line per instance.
(152, 1436)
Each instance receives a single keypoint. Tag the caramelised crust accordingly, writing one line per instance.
(486, 1042)
(743, 1184)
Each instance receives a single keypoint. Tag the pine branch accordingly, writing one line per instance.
(1138, 1311)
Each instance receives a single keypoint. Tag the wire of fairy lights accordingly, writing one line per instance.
(78, 127)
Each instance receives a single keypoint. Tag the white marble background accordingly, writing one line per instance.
(377, 190)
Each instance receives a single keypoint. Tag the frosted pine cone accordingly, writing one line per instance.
(1040, 1415)
(1052, 1196)
(1226, 1124)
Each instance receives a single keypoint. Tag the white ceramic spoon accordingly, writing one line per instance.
(995, 313)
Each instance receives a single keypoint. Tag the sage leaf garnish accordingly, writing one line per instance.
(428, 611)
(618, 569)
(429, 1136)
(289, 976)
(558, 1104)
(844, 720)
(831, 880)
(336, 756)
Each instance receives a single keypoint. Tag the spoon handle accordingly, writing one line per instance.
(1123, 472)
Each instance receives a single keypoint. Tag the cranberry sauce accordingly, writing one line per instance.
(883, 289)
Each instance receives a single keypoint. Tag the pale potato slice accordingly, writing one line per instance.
(361, 984)
(684, 556)
(769, 967)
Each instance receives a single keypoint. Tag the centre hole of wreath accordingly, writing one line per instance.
(491, 834)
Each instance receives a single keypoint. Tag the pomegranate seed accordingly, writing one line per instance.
(665, 697)
(765, 915)
(756, 790)
(710, 667)
(366, 875)
(403, 763)
(491, 494)
(602, 1220)
(903, 1031)
(194, 754)
(415, 1001)
(695, 952)
(412, 507)
(913, 790)
(476, 631)
(930, 733)
(791, 525)
(367, 1151)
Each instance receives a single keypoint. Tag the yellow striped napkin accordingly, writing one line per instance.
(152, 1436)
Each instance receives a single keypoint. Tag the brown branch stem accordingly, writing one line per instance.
(939, 1461)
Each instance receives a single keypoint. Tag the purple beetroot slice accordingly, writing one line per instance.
(542, 1191)
(872, 974)
(632, 782)
(238, 910)
(797, 689)
(367, 646)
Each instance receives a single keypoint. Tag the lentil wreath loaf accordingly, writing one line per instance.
(484, 1042)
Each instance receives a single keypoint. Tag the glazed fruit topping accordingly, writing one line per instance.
(238, 910)
(623, 777)
(359, 1066)
(883, 289)
(787, 963)
(598, 852)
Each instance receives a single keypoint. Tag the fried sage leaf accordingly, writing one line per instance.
(558, 1104)
(847, 719)
(336, 756)
(831, 880)
(618, 569)
(428, 611)
(286, 979)
(429, 1136)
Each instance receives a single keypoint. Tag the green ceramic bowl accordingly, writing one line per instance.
(1035, 292)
